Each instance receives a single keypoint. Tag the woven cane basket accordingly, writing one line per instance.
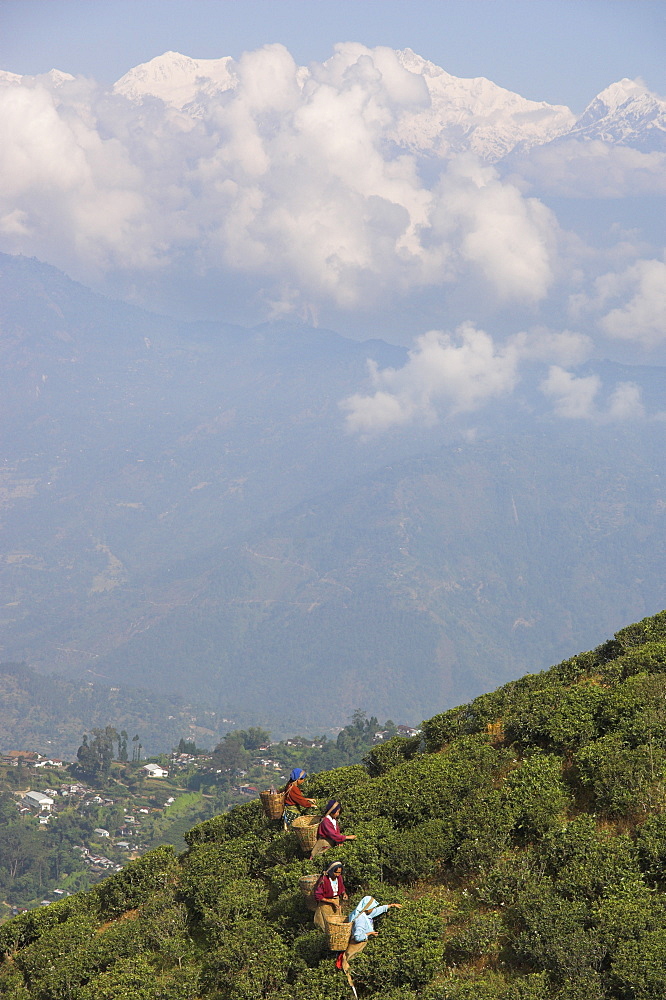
(305, 828)
(338, 934)
(307, 884)
(273, 803)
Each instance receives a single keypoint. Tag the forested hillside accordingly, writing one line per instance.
(183, 512)
(524, 834)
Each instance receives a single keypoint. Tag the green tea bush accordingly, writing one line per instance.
(639, 967)
(512, 874)
(385, 756)
(555, 936)
(636, 709)
(481, 934)
(249, 959)
(482, 828)
(347, 784)
(536, 796)
(138, 879)
(556, 718)
(58, 949)
(407, 952)
(414, 854)
(29, 926)
(244, 819)
(130, 978)
(652, 629)
(208, 867)
(586, 864)
(623, 780)
(651, 847)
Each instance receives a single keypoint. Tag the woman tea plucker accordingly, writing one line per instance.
(328, 892)
(328, 834)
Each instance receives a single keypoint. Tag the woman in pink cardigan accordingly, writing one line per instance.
(328, 893)
(328, 834)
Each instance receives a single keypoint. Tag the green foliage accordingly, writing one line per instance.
(511, 889)
(622, 780)
(536, 795)
(208, 867)
(651, 847)
(481, 934)
(248, 818)
(384, 756)
(408, 951)
(651, 629)
(135, 883)
(586, 864)
(555, 935)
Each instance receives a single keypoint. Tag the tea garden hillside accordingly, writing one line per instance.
(523, 834)
(64, 826)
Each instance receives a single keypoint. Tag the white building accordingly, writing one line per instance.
(155, 771)
(101, 832)
(38, 801)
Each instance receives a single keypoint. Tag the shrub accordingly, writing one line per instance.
(651, 847)
(536, 795)
(651, 629)
(555, 937)
(480, 935)
(241, 820)
(385, 756)
(409, 855)
(587, 865)
(623, 780)
(639, 966)
(408, 951)
(208, 867)
(130, 887)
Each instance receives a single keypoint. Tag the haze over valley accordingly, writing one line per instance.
(326, 387)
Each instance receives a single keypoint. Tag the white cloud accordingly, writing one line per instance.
(575, 397)
(455, 374)
(643, 316)
(510, 239)
(286, 175)
(590, 168)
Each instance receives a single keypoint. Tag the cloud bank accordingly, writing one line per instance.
(368, 183)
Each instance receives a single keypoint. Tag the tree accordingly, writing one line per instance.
(230, 754)
(95, 758)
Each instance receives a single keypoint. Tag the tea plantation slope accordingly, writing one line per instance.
(524, 834)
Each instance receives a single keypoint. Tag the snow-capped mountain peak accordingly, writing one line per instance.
(176, 79)
(626, 112)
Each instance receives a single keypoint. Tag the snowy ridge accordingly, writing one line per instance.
(176, 79)
(455, 115)
(626, 113)
(476, 114)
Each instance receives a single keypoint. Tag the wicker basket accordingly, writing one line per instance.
(273, 803)
(338, 933)
(307, 885)
(305, 828)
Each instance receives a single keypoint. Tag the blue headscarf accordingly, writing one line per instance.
(331, 806)
(331, 868)
(297, 773)
(368, 903)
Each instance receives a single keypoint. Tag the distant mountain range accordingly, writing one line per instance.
(451, 115)
(183, 511)
(447, 114)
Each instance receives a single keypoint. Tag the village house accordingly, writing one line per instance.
(155, 771)
(38, 801)
(15, 757)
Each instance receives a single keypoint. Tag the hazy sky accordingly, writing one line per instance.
(560, 51)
